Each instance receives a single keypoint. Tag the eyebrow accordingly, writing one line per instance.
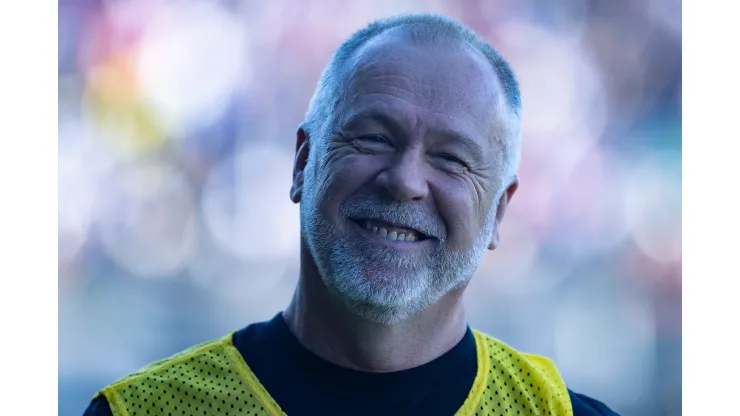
(473, 147)
(382, 117)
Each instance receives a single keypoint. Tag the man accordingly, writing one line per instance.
(404, 168)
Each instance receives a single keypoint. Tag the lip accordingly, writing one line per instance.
(398, 245)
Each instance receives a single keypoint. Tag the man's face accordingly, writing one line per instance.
(401, 200)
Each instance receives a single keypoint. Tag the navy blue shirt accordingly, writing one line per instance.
(304, 384)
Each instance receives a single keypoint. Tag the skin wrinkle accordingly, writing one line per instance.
(499, 112)
(363, 113)
(355, 117)
(425, 92)
(469, 154)
(478, 176)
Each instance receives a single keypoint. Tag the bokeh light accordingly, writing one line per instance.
(147, 223)
(77, 193)
(613, 326)
(653, 207)
(246, 205)
(191, 59)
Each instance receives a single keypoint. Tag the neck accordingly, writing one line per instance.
(327, 328)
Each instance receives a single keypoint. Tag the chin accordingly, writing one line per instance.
(382, 298)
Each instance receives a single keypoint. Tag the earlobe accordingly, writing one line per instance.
(299, 164)
(296, 190)
(503, 203)
(493, 242)
(494, 238)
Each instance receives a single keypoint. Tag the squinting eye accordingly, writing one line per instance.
(450, 158)
(372, 143)
(374, 138)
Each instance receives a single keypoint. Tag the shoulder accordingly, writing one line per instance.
(207, 358)
(500, 352)
(543, 371)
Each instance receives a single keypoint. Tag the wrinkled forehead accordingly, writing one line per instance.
(448, 83)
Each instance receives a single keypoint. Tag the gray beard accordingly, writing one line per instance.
(378, 283)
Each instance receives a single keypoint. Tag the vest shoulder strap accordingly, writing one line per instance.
(209, 379)
(510, 381)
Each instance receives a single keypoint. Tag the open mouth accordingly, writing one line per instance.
(390, 231)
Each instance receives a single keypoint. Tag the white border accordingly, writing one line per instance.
(28, 191)
(711, 208)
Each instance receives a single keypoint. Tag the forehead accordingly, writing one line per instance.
(437, 87)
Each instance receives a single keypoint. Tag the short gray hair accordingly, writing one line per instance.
(423, 28)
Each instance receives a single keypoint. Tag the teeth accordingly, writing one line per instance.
(392, 235)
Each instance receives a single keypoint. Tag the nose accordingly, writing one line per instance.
(405, 180)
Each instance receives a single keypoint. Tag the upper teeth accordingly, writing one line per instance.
(392, 235)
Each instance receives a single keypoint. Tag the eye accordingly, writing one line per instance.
(372, 143)
(450, 158)
(373, 138)
(451, 162)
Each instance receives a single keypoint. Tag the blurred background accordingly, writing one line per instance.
(177, 125)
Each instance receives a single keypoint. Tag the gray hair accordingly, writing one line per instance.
(422, 28)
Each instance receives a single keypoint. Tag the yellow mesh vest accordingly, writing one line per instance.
(213, 379)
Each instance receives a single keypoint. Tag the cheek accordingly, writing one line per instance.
(458, 210)
(342, 178)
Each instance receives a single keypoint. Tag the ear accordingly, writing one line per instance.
(299, 164)
(500, 211)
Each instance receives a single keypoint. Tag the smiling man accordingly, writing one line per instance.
(404, 168)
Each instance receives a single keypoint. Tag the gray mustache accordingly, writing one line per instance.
(402, 214)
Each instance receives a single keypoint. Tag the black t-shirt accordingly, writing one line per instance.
(304, 384)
